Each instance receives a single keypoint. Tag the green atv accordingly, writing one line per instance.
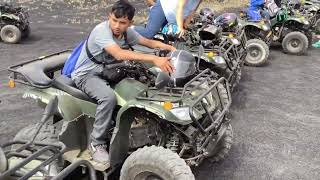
(257, 38)
(176, 127)
(292, 31)
(14, 24)
(308, 9)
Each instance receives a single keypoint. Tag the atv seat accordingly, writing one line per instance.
(39, 73)
(66, 84)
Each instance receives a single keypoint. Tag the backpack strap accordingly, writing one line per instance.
(126, 41)
(93, 59)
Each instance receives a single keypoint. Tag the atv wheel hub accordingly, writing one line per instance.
(295, 43)
(255, 52)
(9, 34)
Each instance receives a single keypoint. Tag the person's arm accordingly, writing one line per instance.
(179, 16)
(121, 55)
(190, 16)
(155, 44)
(150, 2)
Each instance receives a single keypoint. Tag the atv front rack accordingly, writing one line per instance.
(39, 151)
(182, 93)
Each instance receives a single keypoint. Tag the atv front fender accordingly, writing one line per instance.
(301, 20)
(10, 16)
(119, 144)
(264, 27)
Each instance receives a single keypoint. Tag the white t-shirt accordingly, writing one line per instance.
(170, 9)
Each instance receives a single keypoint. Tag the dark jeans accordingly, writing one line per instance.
(156, 21)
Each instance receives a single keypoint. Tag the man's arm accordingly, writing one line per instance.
(122, 55)
(179, 16)
(154, 44)
(150, 3)
(190, 16)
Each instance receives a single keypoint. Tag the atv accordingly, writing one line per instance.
(14, 24)
(292, 31)
(257, 36)
(308, 9)
(223, 53)
(176, 126)
(254, 36)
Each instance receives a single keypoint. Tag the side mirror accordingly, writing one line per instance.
(3, 162)
(162, 80)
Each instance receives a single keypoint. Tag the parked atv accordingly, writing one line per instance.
(292, 31)
(14, 24)
(257, 36)
(223, 52)
(308, 9)
(176, 124)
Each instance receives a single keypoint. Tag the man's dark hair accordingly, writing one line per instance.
(122, 9)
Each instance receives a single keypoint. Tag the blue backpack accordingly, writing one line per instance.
(71, 62)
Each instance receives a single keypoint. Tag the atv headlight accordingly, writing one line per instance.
(219, 60)
(265, 27)
(235, 41)
(305, 22)
(181, 113)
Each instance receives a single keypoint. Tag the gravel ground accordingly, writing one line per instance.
(275, 108)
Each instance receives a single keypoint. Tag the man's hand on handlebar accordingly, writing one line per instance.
(164, 64)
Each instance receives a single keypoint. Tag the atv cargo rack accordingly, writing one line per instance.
(29, 152)
(193, 84)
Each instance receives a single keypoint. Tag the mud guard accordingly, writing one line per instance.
(119, 144)
(301, 20)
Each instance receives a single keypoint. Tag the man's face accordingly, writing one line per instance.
(118, 25)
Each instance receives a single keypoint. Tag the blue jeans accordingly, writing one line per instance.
(156, 21)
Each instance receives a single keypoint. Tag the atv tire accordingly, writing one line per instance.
(257, 52)
(47, 134)
(237, 79)
(26, 32)
(223, 93)
(295, 43)
(309, 36)
(10, 34)
(156, 162)
(223, 147)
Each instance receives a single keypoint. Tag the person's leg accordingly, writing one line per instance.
(156, 21)
(99, 90)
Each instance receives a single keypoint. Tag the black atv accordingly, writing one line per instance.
(14, 23)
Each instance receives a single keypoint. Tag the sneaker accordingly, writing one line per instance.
(99, 153)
